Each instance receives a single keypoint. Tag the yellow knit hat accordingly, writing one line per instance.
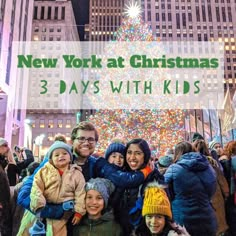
(156, 201)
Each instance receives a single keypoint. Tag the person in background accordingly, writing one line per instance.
(222, 188)
(157, 215)
(5, 212)
(163, 163)
(56, 182)
(98, 221)
(192, 183)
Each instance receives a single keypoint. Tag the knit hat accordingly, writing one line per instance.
(165, 161)
(2, 141)
(104, 186)
(197, 136)
(156, 201)
(59, 144)
(213, 143)
(115, 147)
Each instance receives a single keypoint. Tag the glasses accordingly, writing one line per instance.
(83, 140)
(4, 145)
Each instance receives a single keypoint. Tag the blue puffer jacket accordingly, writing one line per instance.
(193, 183)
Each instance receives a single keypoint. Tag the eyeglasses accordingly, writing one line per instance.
(4, 145)
(83, 140)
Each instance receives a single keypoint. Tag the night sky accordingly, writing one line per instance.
(81, 10)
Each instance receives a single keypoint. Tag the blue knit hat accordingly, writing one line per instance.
(59, 144)
(104, 186)
(115, 147)
(165, 161)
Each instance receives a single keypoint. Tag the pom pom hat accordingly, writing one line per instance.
(156, 201)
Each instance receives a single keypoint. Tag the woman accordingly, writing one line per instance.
(222, 188)
(193, 183)
(137, 156)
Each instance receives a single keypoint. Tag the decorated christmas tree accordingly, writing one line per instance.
(161, 128)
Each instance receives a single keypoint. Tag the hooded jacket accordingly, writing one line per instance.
(193, 182)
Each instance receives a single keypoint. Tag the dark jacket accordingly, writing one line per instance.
(104, 226)
(5, 208)
(193, 183)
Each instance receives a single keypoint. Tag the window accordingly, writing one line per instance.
(44, 29)
(51, 29)
(223, 14)
(177, 20)
(50, 38)
(49, 13)
(41, 124)
(203, 13)
(163, 16)
(56, 13)
(35, 12)
(149, 16)
(42, 13)
(36, 29)
(197, 13)
(50, 124)
(189, 16)
(59, 123)
(43, 38)
(209, 13)
(169, 17)
(218, 14)
(68, 123)
(184, 19)
(157, 16)
(63, 13)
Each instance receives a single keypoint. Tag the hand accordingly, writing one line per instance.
(76, 220)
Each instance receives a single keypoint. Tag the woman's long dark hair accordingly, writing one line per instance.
(182, 148)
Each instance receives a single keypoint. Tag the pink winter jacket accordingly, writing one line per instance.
(49, 186)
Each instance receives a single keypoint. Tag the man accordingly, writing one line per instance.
(84, 137)
(215, 145)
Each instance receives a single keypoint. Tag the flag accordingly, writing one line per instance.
(227, 113)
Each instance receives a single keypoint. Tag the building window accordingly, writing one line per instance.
(163, 16)
(184, 19)
(50, 38)
(51, 29)
(43, 38)
(177, 20)
(68, 123)
(209, 13)
(33, 123)
(42, 13)
(223, 14)
(199, 37)
(59, 123)
(50, 124)
(169, 17)
(149, 16)
(63, 13)
(44, 29)
(157, 16)
(197, 13)
(41, 124)
(58, 38)
(203, 13)
(36, 29)
(35, 12)
(189, 16)
(49, 13)
(56, 13)
(218, 14)
(229, 14)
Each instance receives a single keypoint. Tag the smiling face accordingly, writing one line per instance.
(155, 223)
(134, 157)
(84, 144)
(60, 158)
(94, 204)
(117, 159)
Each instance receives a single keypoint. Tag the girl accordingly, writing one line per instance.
(97, 222)
(56, 182)
(157, 214)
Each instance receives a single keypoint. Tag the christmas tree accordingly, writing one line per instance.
(161, 128)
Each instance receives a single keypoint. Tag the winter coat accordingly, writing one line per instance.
(49, 186)
(193, 183)
(53, 211)
(5, 208)
(218, 199)
(104, 226)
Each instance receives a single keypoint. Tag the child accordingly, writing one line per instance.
(115, 154)
(157, 214)
(56, 182)
(96, 222)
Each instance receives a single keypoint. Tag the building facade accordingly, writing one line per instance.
(15, 25)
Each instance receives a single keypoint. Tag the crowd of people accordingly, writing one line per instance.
(189, 191)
